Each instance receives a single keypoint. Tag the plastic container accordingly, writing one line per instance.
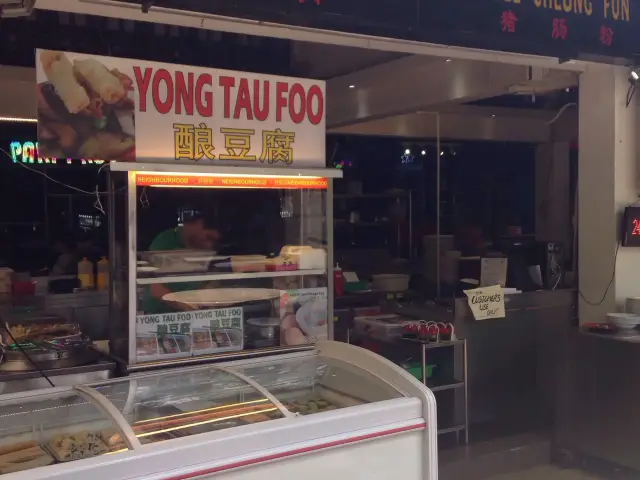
(391, 282)
(385, 328)
(416, 370)
(85, 273)
(103, 274)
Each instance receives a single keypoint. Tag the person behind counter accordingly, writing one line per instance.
(199, 232)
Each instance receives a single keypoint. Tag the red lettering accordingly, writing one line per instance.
(142, 81)
(297, 115)
(204, 99)
(315, 115)
(243, 100)
(162, 76)
(281, 101)
(226, 83)
(184, 93)
(261, 113)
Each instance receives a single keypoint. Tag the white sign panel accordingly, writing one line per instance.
(304, 314)
(132, 110)
(486, 302)
(183, 334)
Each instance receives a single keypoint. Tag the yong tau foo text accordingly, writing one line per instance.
(188, 93)
(611, 9)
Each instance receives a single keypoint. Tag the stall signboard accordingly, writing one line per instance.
(558, 28)
(304, 316)
(486, 302)
(164, 180)
(138, 111)
(188, 333)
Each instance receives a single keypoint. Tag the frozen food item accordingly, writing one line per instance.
(42, 331)
(113, 439)
(59, 70)
(77, 446)
(100, 79)
(22, 456)
(310, 404)
(258, 417)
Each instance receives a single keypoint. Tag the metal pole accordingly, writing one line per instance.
(438, 205)
(466, 392)
(424, 363)
(330, 261)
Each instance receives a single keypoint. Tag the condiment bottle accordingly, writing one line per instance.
(338, 281)
(103, 274)
(85, 273)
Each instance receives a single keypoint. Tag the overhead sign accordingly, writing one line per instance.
(559, 28)
(129, 110)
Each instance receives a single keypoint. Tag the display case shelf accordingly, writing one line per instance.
(205, 277)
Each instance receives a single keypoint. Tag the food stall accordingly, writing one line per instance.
(220, 320)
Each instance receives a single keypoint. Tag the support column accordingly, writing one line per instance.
(606, 184)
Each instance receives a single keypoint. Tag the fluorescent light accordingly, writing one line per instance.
(352, 86)
(407, 152)
(424, 152)
(18, 119)
(634, 74)
(448, 60)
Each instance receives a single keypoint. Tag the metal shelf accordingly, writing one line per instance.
(205, 277)
(457, 428)
(445, 386)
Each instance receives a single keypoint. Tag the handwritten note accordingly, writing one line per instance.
(486, 302)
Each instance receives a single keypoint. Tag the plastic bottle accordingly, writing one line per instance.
(103, 274)
(85, 273)
(338, 281)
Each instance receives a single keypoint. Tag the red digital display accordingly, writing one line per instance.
(631, 227)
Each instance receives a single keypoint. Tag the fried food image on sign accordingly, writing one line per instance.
(100, 80)
(59, 70)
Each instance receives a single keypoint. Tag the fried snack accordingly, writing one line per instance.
(16, 447)
(59, 71)
(106, 146)
(100, 79)
(113, 440)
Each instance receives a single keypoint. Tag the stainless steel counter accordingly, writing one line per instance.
(598, 401)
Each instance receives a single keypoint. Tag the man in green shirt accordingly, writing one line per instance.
(197, 233)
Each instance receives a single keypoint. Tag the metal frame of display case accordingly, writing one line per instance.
(213, 170)
(198, 453)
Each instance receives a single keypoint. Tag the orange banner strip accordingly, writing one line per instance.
(161, 180)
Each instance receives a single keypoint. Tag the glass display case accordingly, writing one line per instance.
(219, 261)
(337, 383)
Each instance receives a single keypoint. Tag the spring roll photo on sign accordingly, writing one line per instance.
(486, 302)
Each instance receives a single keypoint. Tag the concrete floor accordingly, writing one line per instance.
(545, 472)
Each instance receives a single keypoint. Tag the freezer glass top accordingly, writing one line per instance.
(316, 384)
(39, 431)
(187, 402)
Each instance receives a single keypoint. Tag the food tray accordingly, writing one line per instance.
(77, 455)
(386, 328)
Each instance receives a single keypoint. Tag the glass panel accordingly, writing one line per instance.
(318, 384)
(183, 403)
(214, 279)
(48, 429)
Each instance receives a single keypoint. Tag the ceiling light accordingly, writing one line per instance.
(424, 152)
(352, 86)
(407, 152)
(441, 153)
(493, 116)
(18, 119)
(633, 76)
(448, 60)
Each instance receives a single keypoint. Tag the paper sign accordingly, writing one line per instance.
(493, 271)
(183, 334)
(486, 302)
(304, 316)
